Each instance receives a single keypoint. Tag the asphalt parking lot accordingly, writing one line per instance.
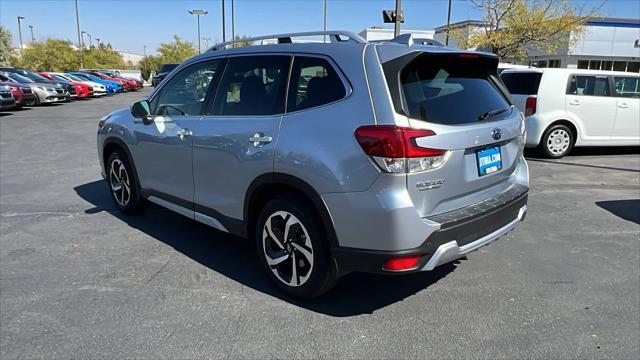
(78, 279)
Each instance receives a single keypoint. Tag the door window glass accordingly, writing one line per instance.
(627, 86)
(314, 82)
(185, 93)
(253, 85)
(589, 85)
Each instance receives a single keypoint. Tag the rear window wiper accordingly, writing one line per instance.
(491, 113)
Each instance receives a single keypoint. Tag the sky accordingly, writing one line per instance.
(129, 25)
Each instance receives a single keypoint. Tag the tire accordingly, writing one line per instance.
(123, 184)
(557, 141)
(315, 271)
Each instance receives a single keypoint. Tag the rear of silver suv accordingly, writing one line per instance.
(334, 157)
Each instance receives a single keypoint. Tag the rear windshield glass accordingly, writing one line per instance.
(450, 90)
(524, 83)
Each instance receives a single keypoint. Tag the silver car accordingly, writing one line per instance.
(333, 156)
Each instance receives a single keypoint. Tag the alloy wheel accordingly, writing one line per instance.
(287, 248)
(119, 182)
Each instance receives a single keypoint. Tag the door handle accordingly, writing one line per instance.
(623, 105)
(259, 139)
(184, 133)
(574, 102)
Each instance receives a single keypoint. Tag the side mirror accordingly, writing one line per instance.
(140, 109)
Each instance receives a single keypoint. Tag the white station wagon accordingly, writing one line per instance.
(574, 107)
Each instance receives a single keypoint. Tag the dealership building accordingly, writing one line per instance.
(607, 44)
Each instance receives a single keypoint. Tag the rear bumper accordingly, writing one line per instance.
(461, 231)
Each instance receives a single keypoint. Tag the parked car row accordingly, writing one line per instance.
(22, 87)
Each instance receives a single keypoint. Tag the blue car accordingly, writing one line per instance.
(111, 86)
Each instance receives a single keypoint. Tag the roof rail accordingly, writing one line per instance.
(334, 36)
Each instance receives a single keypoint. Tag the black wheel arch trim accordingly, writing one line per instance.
(117, 141)
(276, 178)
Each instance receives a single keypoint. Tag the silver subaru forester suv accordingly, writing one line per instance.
(335, 156)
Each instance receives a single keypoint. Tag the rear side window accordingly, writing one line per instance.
(253, 85)
(522, 83)
(627, 86)
(450, 89)
(314, 82)
(589, 85)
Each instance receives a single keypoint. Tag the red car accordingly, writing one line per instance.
(22, 93)
(82, 90)
(124, 84)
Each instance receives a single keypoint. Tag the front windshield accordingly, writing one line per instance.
(19, 78)
(33, 76)
(74, 78)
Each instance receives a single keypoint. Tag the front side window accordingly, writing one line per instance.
(253, 85)
(314, 82)
(589, 85)
(627, 86)
(185, 93)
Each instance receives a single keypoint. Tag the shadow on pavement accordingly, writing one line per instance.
(625, 209)
(236, 258)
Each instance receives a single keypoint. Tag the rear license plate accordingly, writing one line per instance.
(489, 160)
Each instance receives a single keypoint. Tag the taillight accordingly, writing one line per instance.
(402, 263)
(530, 106)
(395, 150)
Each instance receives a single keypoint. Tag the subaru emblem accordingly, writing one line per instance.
(496, 134)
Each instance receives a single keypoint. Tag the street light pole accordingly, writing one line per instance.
(206, 42)
(144, 50)
(83, 33)
(233, 30)
(32, 37)
(20, 32)
(79, 37)
(324, 27)
(89, 35)
(396, 30)
(198, 13)
(446, 41)
(224, 25)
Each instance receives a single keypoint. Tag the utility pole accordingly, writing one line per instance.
(399, 18)
(324, 37)
(446, 41)
(224, 25)
(198, 13)
(233, 30)
(79, 37)
(32, 37)
(20, 32)
(206, 42)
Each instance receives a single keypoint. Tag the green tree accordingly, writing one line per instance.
(49, 55)
(5, 46)
(510, 25)
(103, 58)
(149, 64)
(176, 51)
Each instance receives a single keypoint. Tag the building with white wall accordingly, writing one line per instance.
(377, 33)
(607, 44)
